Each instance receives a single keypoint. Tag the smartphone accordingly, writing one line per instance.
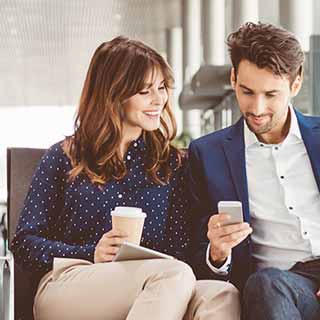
(233, 208)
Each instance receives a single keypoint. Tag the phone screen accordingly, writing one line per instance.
(233, 208)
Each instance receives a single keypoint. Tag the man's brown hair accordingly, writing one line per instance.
(266, 46)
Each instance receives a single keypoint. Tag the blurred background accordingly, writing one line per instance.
(46, 46)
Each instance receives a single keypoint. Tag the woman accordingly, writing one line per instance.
(120, 155)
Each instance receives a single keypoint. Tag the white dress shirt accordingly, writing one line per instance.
(284, 200)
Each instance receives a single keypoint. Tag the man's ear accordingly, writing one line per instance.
(233, 78)
(296, 85)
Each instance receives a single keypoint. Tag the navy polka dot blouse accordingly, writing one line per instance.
(67, 219)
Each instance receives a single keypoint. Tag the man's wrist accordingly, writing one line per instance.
(217, 263)
(222, 270)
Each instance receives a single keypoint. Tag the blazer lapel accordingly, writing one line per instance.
(310, 132)
(235, 153)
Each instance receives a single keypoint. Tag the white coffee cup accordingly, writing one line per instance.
(129, 220)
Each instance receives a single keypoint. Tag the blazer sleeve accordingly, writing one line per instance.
(200, 213)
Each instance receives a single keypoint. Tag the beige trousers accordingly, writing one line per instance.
(157, 289)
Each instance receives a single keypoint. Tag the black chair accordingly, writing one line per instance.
(6, 287)
(21, 164)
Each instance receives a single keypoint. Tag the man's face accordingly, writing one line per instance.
(263, 98)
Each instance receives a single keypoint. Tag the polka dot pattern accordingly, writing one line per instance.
(67, 219)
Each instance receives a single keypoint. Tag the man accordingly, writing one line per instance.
(270, 161)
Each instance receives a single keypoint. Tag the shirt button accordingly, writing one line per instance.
(128, 157)
(290, 208)
(120, 196)
(261, 145)
(276, 148)
(282, 177)
(135, 144)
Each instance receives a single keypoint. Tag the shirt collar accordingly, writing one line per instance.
(294, 131)
(294, 126)
(137, 144)
(249, 137)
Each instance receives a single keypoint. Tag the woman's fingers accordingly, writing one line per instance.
(114, 241)
(108, 245)
(115, 233)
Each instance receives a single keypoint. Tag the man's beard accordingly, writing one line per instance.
(266, 127)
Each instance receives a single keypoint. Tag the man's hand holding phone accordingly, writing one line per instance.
(226, 230)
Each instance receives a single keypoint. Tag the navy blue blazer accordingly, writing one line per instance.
(217, 172)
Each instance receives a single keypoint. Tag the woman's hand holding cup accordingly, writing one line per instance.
(108, 245)
(127, 225)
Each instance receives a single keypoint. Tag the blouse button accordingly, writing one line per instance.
(135, 144)
(128, 157)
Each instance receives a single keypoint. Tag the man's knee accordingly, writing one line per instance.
(265, 282)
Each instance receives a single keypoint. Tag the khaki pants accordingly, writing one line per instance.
(157, 289)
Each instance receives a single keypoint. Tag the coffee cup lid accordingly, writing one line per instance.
(130, 212)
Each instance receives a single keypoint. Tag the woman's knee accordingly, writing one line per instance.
(176, 275)
(178, 270)
(218, 295)
(215, 300)
(214, 288)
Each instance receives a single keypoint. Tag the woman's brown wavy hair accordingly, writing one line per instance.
(118, 70)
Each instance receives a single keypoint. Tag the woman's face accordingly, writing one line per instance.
(143, 110)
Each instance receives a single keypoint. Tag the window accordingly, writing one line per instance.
(34, 127)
